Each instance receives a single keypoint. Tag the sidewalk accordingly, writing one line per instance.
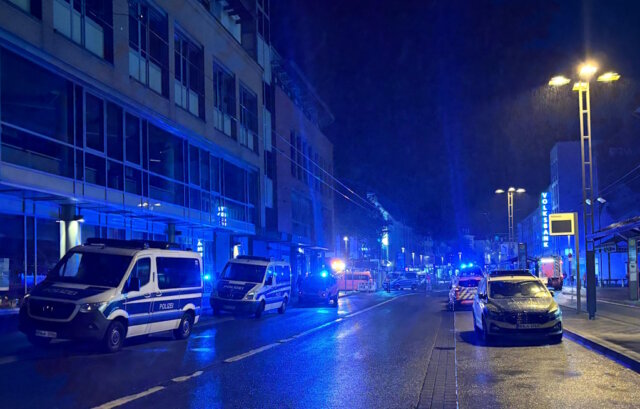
(615, 332)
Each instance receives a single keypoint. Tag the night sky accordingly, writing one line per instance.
(438, 103)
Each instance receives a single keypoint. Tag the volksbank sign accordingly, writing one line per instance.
(544, 203)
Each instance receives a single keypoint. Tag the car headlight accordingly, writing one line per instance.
(250, 295)
(25, 300)
(555, 313)
(89, 307)
(493, 312)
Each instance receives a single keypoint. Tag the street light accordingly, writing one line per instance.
(586, 71)
(510, 192)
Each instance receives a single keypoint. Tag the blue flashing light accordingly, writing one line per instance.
(470, 265)
(324, 273)
(207, 277)
(463, 266)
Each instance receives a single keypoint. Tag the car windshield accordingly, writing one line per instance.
(91, 268)
(251, 273)
(471, 272)
(517, 289)
(316, 282)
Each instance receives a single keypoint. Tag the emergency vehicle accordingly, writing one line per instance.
(464, 286)
(550, 272)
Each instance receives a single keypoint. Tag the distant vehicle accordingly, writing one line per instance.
(348, 280)
(109, 290)
(551, 272)
(516, 304)
(407, 281)
(511, 273)
(252, 285)
(319, 288)
(464, 286)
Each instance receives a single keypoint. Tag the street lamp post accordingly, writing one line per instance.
(586, 72)
(510, 213)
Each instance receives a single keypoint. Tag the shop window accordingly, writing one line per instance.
(149, 46)
(29, 91)
(194, 166)
(94, 120)
(132, 136)
(132, 182)
(86, 22)
(115, 178)
(94, 169)
(114, 131)
(165, 154)
(234, 182)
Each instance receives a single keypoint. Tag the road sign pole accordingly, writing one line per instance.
(578, 284)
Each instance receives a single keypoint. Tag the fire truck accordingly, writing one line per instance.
(551, 271)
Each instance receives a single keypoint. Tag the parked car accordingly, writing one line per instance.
(464, 286)
(516, 305)
(109, 290)
(319, 288)
(407, 281)
(252, 285)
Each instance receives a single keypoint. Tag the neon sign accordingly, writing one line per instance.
(544, 202)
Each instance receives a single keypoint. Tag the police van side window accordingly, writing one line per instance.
(142, 271)
(175, 272)
(287, 274)
(269, 275)
(280, 274)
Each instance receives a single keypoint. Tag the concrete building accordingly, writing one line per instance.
(304, 171)
(132, 119)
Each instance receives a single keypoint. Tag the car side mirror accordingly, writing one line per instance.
(134, 284)
(552, 292)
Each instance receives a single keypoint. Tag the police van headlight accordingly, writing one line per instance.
(90, 307)
(250, 295)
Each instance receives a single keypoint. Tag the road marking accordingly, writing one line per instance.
(187, 377)
(250, 353)
(8, 359)
(127, 399)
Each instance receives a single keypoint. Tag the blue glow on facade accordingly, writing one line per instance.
(544, 209)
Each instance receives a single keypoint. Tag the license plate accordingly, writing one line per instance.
(229, 307)
(46, 334)
(525, 326)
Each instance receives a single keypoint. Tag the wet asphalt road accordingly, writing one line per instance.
(372, 351)
(379, 350)
(524, 374)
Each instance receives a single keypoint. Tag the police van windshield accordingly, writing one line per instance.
(91, 268)
(244, 272)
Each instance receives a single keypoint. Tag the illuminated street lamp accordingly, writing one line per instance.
(510, 191)
(586, 72)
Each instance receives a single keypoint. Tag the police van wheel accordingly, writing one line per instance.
(184, 329)
(38, 341)
(114, 337)
(283, 306)
(260, 309)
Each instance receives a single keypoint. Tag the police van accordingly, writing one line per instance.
(252, 285)
(109, 290)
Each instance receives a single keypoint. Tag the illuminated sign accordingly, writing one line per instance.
(544, 209)
(562, 224)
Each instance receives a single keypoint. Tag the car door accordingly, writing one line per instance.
(270, 283)
(138, 302)
(478, 303)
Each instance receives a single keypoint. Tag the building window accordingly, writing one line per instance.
(301, 216)
(224, 100)
(88, 23)
(132, 138)
(189, 75)
(234, 181)
(149, 46)
(114, 131)
(165, 154)
(33, 7)
(94, 121)
(194, 166)
(215, 174)
(94, 170)
(248, 119)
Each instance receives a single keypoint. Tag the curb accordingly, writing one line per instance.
(610, 353)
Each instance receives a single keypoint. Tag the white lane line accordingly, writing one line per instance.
(250, 353)
(353, 314)
(8, 359)
(187, 377)
(127, 399)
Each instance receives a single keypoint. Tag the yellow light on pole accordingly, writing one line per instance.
(520, 190)
(512, 189)
(559, 80)
(609, 77)
(499, 191)
(580, 86)
(587, 70)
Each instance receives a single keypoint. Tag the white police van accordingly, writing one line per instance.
(252, 285)
(109, 290)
